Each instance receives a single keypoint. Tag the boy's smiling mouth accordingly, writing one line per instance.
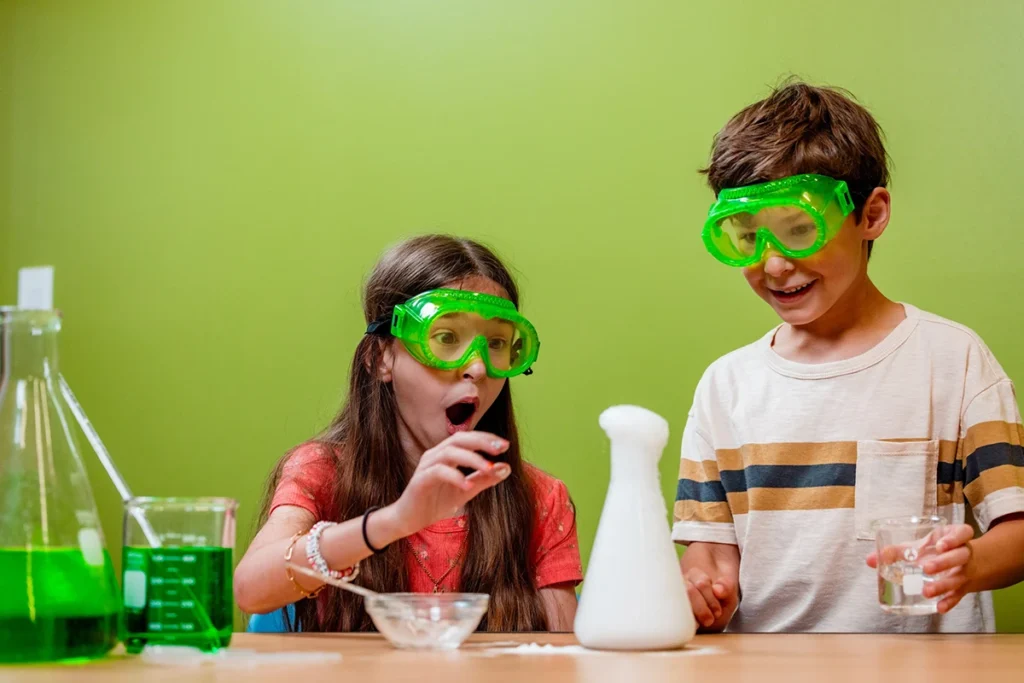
(792, 294)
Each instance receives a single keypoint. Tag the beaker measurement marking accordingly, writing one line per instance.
(169, 581)
(188, 595)
(174, 558)
(160, 626)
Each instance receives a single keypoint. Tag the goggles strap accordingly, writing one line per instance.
(380, 327)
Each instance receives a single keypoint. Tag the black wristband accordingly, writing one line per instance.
(366, 539)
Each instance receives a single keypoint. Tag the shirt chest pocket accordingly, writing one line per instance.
(894, 479)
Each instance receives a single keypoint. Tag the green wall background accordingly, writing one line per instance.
(212, 180)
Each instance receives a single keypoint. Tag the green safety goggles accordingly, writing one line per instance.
(447, 328)
(795, 216)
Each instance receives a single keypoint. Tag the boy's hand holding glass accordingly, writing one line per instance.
(945, 558)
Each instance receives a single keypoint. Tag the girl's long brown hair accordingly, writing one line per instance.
(373, 470)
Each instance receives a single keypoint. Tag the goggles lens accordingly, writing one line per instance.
(740, 235)
(795, 215)
(452, 336)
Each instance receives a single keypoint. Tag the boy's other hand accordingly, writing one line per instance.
(712, 575)
(713, 600)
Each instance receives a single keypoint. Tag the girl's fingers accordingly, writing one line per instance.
(475, 441)
(455, 456)
(449, 475)
(484, 479)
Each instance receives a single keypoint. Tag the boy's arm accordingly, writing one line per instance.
(991, 466)
(993, 474)
(704, 523)
(996, 560)
(998, 556)
(712, 573)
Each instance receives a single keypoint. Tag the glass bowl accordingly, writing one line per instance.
(427, 621)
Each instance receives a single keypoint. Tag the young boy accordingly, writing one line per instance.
(855, 408)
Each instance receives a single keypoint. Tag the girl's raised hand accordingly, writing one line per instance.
(438, 489)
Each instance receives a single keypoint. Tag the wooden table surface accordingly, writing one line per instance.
(492, 659)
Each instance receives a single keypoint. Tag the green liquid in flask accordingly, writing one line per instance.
(177, 596)
(55, 606)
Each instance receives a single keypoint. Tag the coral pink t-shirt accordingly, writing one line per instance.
(307, 480)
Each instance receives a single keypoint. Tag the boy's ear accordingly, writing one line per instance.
(875, 213)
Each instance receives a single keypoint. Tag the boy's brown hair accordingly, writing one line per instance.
(801, 128)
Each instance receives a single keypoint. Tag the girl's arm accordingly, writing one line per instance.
(559, 607)
(436, 488)
(261, 580)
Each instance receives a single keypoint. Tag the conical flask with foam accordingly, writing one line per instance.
(58, 593)
(634, 597)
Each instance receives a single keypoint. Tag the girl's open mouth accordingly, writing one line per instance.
(460, 414)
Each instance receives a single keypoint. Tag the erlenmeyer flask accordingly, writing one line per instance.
(58, 593)
(634, 597)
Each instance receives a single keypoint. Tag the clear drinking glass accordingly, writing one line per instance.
(177, 571)
(904, 545)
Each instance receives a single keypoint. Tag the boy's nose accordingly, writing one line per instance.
(777, 265)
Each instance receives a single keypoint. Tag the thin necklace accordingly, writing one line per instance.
(438, 580)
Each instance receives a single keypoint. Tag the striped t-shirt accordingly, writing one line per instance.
(792, 462)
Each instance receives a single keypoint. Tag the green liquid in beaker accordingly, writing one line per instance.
(55, 606)
(177, 596)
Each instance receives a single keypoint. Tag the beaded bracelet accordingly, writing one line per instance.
(291, 575)
(317, 561)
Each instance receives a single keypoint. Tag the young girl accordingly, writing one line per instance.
(397, 486)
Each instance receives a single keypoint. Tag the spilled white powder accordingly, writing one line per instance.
(579, 650)
(536, 649)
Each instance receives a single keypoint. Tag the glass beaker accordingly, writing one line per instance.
(904, 544)
(59, 597)
(178, 592)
